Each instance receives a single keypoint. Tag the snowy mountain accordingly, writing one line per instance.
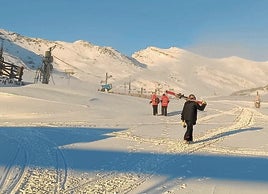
(87, 61)
(67, 137)
(147, 70)
(184, 70)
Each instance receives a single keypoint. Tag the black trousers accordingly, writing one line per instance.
(188, 136)
(164, 110)
(155, 109)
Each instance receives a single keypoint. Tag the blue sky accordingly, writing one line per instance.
(214, 28)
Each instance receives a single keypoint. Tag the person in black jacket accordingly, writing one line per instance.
(189, 115)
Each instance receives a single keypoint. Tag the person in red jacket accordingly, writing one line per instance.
(154, 101)
(164, 104)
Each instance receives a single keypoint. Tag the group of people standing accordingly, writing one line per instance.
(188, 114)
(164, 103)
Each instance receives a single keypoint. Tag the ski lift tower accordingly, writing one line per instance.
(44, 72)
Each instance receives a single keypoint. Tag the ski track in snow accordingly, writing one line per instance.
(244, 119)
(13, 172)
(29, 178)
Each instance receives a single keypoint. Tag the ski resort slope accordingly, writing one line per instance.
(68, 139)
(145, 71)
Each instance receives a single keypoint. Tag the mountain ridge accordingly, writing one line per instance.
(146, 70)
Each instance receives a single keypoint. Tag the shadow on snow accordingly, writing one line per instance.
(228, 133)
(42, 144)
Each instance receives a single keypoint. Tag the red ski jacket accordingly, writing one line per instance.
(164, 100)
(154, 100)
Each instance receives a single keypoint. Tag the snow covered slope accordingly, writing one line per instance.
(188, 72)
(146, 71)
(74, 139)
(87, 61)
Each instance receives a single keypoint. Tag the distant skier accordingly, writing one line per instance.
(258, 101)
(154, 101)
(164, 104)
(189, 115)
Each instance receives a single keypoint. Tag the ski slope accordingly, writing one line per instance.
(66, 137)
(71, 140)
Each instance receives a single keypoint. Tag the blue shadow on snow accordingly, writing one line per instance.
(41, 142)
